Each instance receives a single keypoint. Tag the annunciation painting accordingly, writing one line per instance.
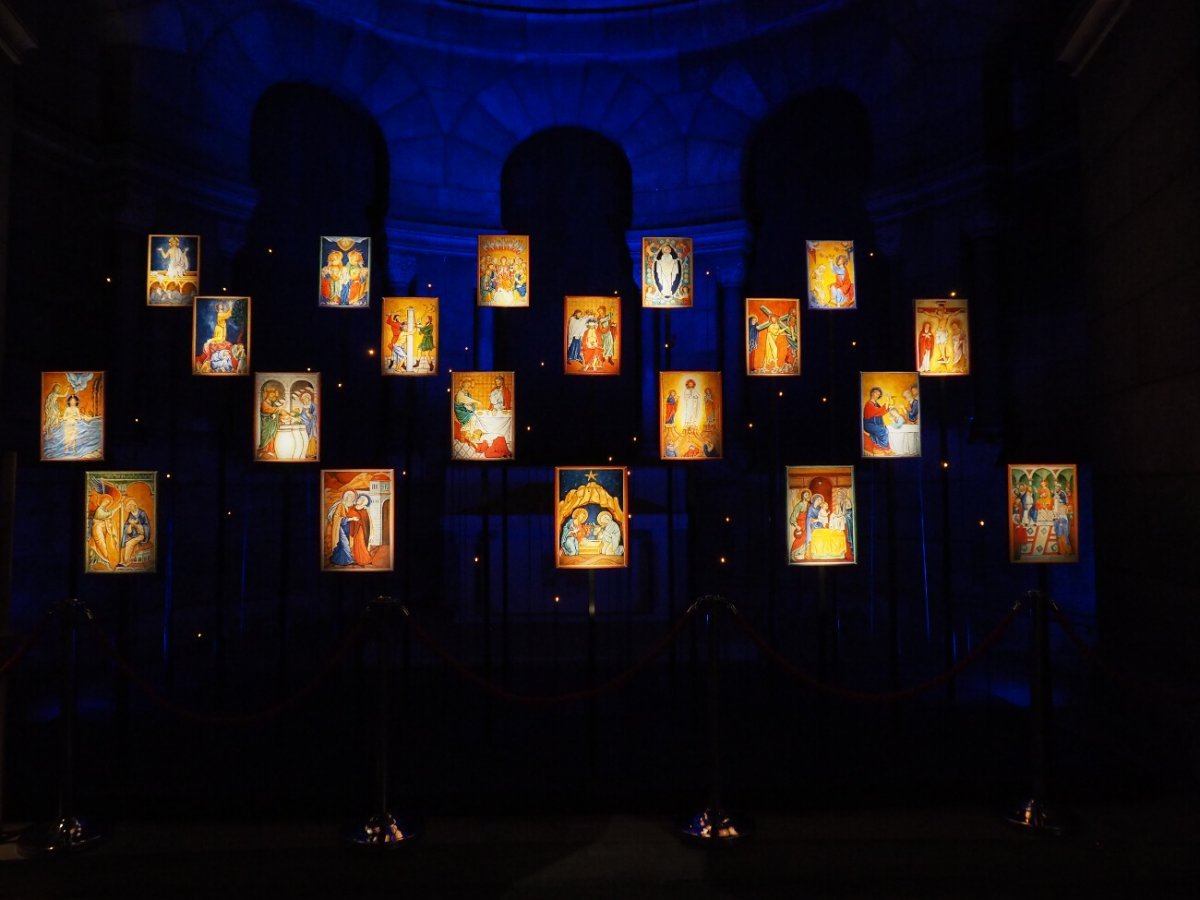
(592, 336)
(591, 516)
(345, 272)
(820, 516)
(357, 531)
(1043, 520)
(690, 417)
(172, 269)
(410, 336)
(482, 416)
(72, 416)
(831, 275)
(772, 336)
(503, 268)
(221, 336)
(121, 516)
(666, 272)
(287, 416)
(943, 340)
(891, 413)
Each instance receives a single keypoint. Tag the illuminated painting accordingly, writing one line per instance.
(891, 414)
(830, 274)
(172, 269)
(820, 516)
(943, 340)
(772, 336)
(503, 270)
(666, 272)
(410, 336)
(592, 336)
(481, 416)
(287, 416)
(72, 416)
(345, 272)
(221, 336)
(590, 524)
(121, 516)
(1043, 525)
(357, 520)
(690, 418)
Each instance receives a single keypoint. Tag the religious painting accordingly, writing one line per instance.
(345, 272)
(666, 272)
(121, 522)
(287, 416)
(943, 339)
(820, 516)
(221, 336)
(831, 275)
(172, 269)
(891, 414)
(72, 416)
(357, 516)
(689, 415)
(772, 336)
(410, 336)
(592, 336)
(482, 416)
(591, 517)
(1043, 522)
(503, 270)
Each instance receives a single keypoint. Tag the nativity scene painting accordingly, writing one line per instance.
(287, 416)
(345, 272)
(772, 336)
(221, 336)
(482, 416)
(689, 415)
(1043, 519)
(172, 269)
(820, 516)
(121, 522)
(592, 336)
(503, 270)
(942, 338)
(666, 272)
(831, 275)
(891, 414)
(591, 517)
(357, 516)
(72, 416)
(410, 336)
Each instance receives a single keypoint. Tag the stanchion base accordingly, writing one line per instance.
(381, 831)
(1038, 818)
(69, 835)
(714, 827)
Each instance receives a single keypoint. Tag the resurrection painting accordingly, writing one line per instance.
(357, 515)
(172, 269)
(591, 516)
(410, 336)
(666, 272)
(503, 270)
(689, 415)
(772, 336)
(287, 416)
(481, 416)
(72, 416)
(820, 516)
(942, 337)
(891, 413)
(592, 336)
(221, 336)
(121, 522)
(345, 272)
(830, 274)
(1043, 524)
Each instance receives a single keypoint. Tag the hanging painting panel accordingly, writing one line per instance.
(503, 270)
(666, 272)
(592, 336)
(121, 522)
(943, 341)
(287, 416)
(689, 415)
(891, 414)
(772, 336)
(357, 520)
(345, 272)
(72, 416)
(482, 416)
(591, 517)
(221, 336)
(1043, 513)
(410, 336)
(172, 269)
(831, 275)
(820, 516)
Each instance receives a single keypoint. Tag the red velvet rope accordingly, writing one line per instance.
(19, 654)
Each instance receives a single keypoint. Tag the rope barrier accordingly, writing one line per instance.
(26, 645)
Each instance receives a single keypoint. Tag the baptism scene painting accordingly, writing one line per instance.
(591, 517)
(221, 336)
(503, 270)
(690, 415)
(345, 272)
(72, 416)
(666, 272)
(820, 516)
(891, 414)
(410, 336)
(592, 336)
(172, 269)
(1043, 524)
(772, 336)
(121, 522)
(482, 416)
(287, 416)
(942, 338)
(357, 518)
(831, 275)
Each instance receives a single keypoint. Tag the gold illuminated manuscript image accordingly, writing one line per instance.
(410, 336)
(831, 274)
(666, 272)
(772, 336)
(891, 414)
(72, 416)
(482, 416)
(221, 336)
(592, 336)
(942, 337)
(820, 516)
(503, 270)
(1043, 513)
(121, 522)
(357, 516)
(690, 416)
(591, 517)
(345, 272)
(287, 416)
(172, 269)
